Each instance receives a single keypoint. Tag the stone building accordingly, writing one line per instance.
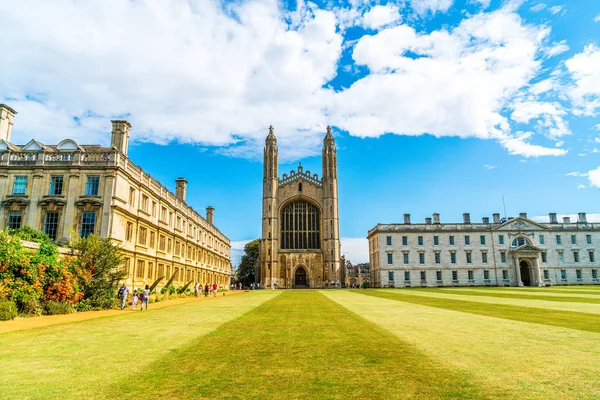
(357, 274)
(300, 244)
(92, 189)
(513, 252)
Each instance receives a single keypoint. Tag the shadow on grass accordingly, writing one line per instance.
(563, 319)
(299, 345)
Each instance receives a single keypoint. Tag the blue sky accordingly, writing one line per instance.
(437, 105)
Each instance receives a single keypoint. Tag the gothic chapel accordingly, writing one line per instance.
(300, 246)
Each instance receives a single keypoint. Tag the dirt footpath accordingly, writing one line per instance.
(23, 323)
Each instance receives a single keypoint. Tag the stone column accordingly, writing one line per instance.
(518, 270)
(71, 196)
(37, 191)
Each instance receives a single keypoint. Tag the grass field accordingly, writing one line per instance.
(480, 343)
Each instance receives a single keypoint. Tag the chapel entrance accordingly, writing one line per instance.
(525, 273)
(300, 278)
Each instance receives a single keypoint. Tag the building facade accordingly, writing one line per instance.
(300, 244)
(513, 252)
(71, 188)
(357, 275)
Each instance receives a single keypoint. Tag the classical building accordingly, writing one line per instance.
(300, 245)
(513, 252)
(69, 187)
(357, 274)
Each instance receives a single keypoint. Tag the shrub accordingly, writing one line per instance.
(366, 285)
(8, 310)
(30, 234)
(84, 305)
(58, 308)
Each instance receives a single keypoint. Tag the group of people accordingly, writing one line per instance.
(138, 295)
(209, 290)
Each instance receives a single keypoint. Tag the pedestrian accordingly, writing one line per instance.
(240, 286)
(257, 285)
(134, 299)
(206, 290)
(145, 297)
(215, 289)
(123, 293)
(196, 289)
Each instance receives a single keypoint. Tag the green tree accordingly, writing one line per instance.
(245, 271)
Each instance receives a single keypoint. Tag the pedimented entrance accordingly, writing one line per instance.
(525, 273)
(300, 281)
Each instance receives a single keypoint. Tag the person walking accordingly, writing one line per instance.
(196, 289)
(215, 289)
(206, 289)
(134, 299)
(145, 297)
(123, 293)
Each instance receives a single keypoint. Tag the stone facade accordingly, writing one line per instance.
(513, 252)
(300, 244)
(93, 189)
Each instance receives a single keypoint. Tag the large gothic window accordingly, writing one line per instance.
(300, 226)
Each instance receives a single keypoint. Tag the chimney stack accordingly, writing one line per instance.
(120, 135)
(523, 215)
(7, 117)
(467, 218)
(210, 215)
(566, 220)
(427, 221)
(553, 219)
(496, 218)
(485, 220)
(436, 218)
(582, 218)
(181, 188)
(407, 219)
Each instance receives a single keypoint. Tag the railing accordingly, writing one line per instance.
(57, 158)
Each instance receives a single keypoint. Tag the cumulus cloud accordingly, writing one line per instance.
(585, 90)
(594, 177)
(379, 16)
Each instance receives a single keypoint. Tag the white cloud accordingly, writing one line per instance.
(574, 217)
(487, 166)
(422, 7)
(557, 9)
(581, 187)
(594, 177)
(355, 249)
(560, 143)
(597, 18)
(557, 48)
(520, 146)
(538, 7)
(576, 174)
(379, 16)
(585, 91)
(550, 116)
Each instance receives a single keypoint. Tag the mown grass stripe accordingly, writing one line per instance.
(516, 295)
(564, 319)
(526, 292)
(300, 345)
(552, 289)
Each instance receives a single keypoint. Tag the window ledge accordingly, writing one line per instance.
(17, 196)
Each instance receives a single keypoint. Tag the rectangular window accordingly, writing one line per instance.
(544, 257)
(541, 239)
(561, 257)
(467, 240)
(505, 274)
(132, 196)
(576, 256)
(145, 202)
(421, 258)
(56, 185)
(162, 243)
(438, 275)
(143, 233)
(503, 257)
(389, 255)
(437, 257)
(484, 257)
(140, 269)
(405, 256)
(154, 209)
(88, 223)
(588, 239)
(501, 239)
(469, 258)
(546, 274)
(14, 219)
(453, 257)
(20, 185)
(389, 240)
(391, 276)
(558, 239)
(420, 240)
(563, 274)
(578, 272)
(92, 186)
(573, 239)
(451, 240)
(169, 245)
(129, 231)
(486, 275)
(592, 256)
(51, 224)
(152, 236)
(470, 273)
(454, 275)
(407, 275)
(436, 240)
(482, 239)
(594, 274)
(423, 276)
(404, 240)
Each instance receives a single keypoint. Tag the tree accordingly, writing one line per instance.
(245, 271)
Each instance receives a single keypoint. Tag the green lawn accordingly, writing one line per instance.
(363, 344)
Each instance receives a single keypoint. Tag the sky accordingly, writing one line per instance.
(436, 105)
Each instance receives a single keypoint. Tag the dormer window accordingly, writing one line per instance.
(520, 241)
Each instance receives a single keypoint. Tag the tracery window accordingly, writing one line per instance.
(300, 226)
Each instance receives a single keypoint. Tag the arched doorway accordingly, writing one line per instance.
(300, 278)
(525, 273)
